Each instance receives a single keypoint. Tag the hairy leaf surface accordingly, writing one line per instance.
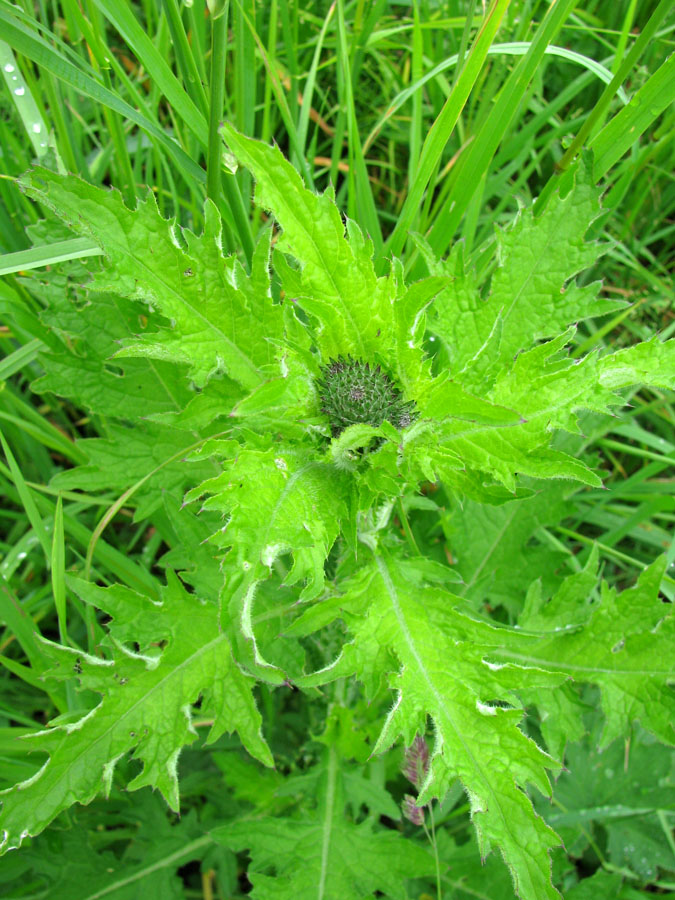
(623, 644)
(218, 313)
(145, 706)
(323, 856)
(434, 658)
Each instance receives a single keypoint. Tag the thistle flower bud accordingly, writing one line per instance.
(411, 811)
(416, 764)
(353, 392)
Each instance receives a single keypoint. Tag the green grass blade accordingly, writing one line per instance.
(42, 430)
(216, 176)
(415, 141)
(622, 69)
(474, 163)
(358, 174)
(512, 48)
(58, 566)
(244, 33)
(24, 101)
(308, 93)
(24, 41)
(21, 357)
(27, 500)
(284, 109)
(185, 57)
(77, 248)
(442, 128)
(217, 97)
(123, 19)
(621, 132)
(266, 130)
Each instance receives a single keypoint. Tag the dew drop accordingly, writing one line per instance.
(9, 67)
(37, 128)
(20, 91)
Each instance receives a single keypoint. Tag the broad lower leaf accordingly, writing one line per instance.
(150, 456)
(146, 700)
(84, 330)
(435, 659)
(492, 546)
(337, 283)
(617, 794)
(323, 854)
(625, 647)
(530, 296)
(278, 501)
(219, 316)
(70, 865)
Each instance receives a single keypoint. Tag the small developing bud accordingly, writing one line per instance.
(352, 392)
(411, 811)
(416, 763)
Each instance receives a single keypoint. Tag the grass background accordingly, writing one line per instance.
(429, 117)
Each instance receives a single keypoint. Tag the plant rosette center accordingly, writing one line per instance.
(353, 392)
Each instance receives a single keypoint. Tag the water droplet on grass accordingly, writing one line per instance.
(20, 91)
(9, 67)
(37, 128)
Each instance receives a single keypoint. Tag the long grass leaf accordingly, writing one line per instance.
(443, 127)
(473, 164)
(24, 41)
(58, 567)
(27, 500)
(20, 92)
(60, 251)
(122, 18)
(185, 57)
(621, 132)
(358, 174)
(621, 72)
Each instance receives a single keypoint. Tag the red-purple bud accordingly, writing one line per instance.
(416, 763)
(411, 811)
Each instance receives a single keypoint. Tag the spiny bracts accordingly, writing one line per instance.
(353, 392)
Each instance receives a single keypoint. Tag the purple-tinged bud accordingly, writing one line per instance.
(351, 391)
(416, 763)
(411, 811)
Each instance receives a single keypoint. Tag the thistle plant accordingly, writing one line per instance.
(252, 390)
